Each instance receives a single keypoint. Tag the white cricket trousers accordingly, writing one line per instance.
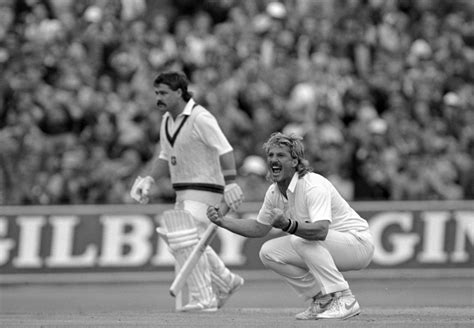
(311, 267)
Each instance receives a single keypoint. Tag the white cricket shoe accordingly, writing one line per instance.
(196, 305)
(317, 306)
(341, 307)
(222, 297)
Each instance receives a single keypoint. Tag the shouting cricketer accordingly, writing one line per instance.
(324, 235)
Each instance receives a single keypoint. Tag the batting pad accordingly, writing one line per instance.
(177, 220)
(182, 236)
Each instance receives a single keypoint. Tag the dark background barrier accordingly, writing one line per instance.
(122, 238)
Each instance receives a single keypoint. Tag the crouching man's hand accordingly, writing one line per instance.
(214, 215)
(278, 219)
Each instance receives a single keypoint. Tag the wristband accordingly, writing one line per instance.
(292, 226)
(293, 229)
(229, 175)
(229, 178)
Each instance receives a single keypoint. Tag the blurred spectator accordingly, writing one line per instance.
(381, 91)
(252, 178)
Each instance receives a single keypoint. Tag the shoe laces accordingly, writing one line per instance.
(336, 304)
(312, 307)
(320, 302)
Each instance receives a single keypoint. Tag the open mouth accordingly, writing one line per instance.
(276, 169)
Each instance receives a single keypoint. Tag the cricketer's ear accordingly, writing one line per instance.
(294, 162)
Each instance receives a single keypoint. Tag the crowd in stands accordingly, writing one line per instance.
(381, 91)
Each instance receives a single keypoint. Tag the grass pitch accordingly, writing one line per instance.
(263, 301)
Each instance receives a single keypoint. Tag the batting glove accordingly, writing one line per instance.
(233, 195)
(141, 189)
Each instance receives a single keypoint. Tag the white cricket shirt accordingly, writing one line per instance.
(312, 198)
(205, 126)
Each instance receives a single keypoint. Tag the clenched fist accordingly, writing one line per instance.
(214, 215)
(278, 219)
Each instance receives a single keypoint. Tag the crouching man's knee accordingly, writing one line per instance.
(269, 255)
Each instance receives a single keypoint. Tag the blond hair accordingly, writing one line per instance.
(295, 147)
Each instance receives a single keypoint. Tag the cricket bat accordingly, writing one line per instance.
(195, 255)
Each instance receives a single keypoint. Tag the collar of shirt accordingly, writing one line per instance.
(189, 107)
(186, 111)
(173, 124)
(292, 185)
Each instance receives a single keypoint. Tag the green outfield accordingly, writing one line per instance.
(264, 301)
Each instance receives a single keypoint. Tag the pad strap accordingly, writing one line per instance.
(182, 239)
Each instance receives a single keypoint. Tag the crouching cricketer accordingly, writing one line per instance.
(324, 235)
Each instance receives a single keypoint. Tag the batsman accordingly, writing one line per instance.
(201, 164)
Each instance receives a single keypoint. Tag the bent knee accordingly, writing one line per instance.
(270, 253)
(264, 253)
